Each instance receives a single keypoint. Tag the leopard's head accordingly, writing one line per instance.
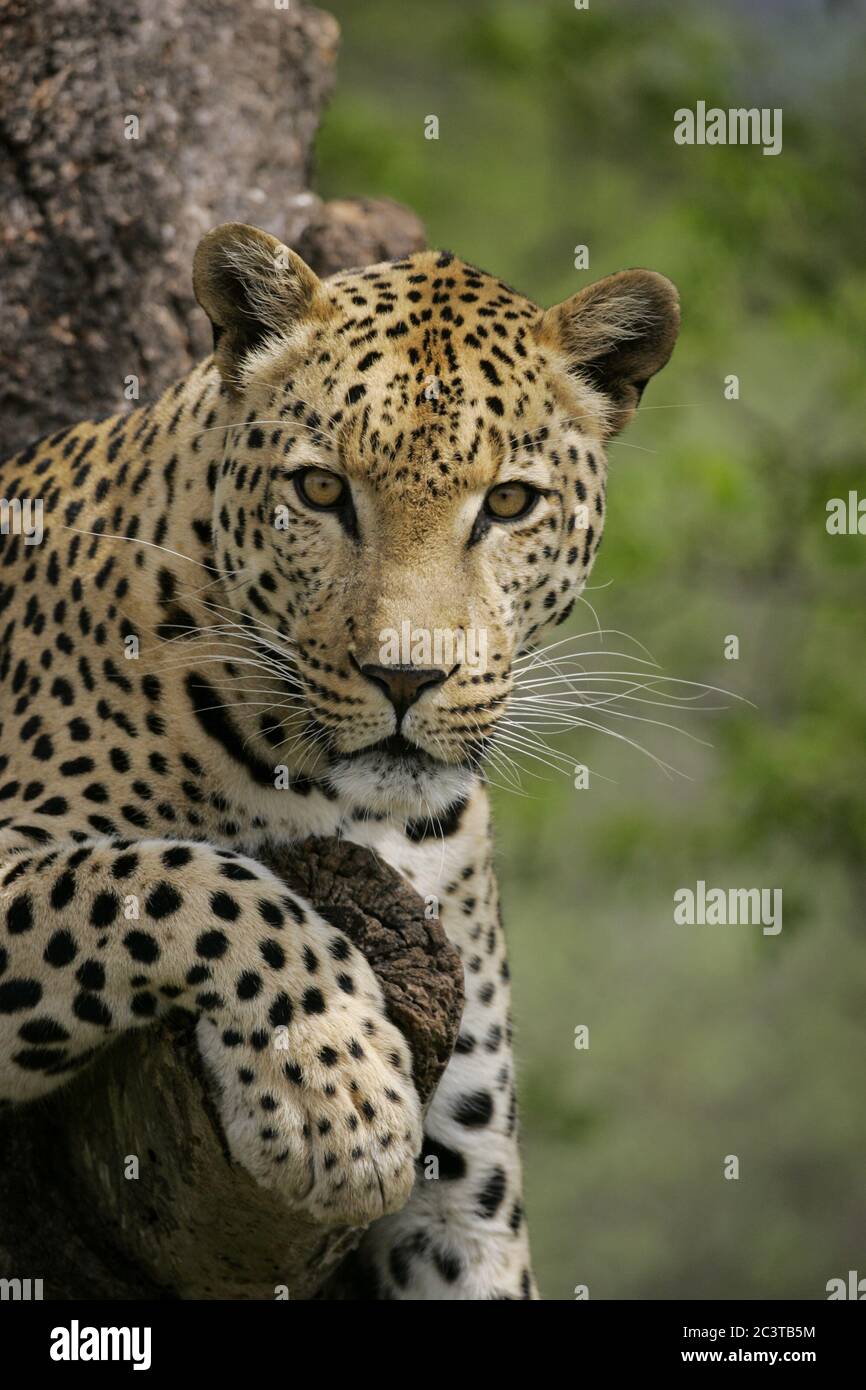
(415, 488)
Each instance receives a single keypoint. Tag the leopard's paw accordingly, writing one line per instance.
(326, 1113)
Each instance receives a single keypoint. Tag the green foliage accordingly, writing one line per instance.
(556, 129)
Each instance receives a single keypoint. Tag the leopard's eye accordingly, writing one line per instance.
(319, 488)
(508, 501)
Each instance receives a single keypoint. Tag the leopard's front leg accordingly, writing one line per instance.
(462, 1235)
(101, 937)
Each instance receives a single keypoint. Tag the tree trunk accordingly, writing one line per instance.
(101, 215)
(127, 129)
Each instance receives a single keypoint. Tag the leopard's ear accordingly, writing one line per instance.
(251, 287)
(615, 335)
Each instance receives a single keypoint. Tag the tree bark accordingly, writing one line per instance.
(101, 218)
(96, 246)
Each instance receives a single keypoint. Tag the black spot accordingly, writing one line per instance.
(19, 917)
(238, 872)
(474, 1110)
(281, 1011)
(210, 1001)
(42, 1030)
(273, 954)
(163, 901)
(104, 910)
(452, 1165)
(249, 985)
(90, 1009)
(446, 824)
(91, 975)
(141, 946)
(119, 759)
(448, 1264)
(43, 748)
(124, 865)
(212, 945)
(76, 767)
(270, 913)
(39, 1058)
(176, 857)
(63, 891)
(224, 906)
(491, 1196)
(61, 949)
(18, 994)
(313, 1002)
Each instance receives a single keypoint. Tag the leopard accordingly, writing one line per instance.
(196, 661)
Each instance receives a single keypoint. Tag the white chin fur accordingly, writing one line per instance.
(377, 783)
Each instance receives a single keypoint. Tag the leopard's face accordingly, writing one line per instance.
(415, 488)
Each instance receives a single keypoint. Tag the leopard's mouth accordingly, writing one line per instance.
(399, 749)
(395, 776)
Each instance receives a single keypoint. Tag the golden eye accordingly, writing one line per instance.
(508, 501)
(319, 488)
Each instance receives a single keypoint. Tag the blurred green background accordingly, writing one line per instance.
(556, 129)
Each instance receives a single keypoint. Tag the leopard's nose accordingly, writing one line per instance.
(403, 684)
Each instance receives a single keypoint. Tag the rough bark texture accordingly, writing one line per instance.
(358, 231)
(192, 1224)
(420, 971)
(98, 230)
(96, 245)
